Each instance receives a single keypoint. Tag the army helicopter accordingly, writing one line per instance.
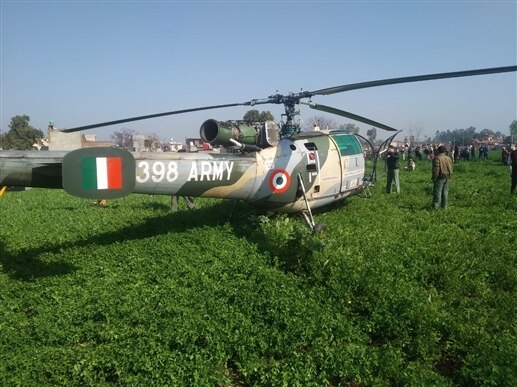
(273, 166)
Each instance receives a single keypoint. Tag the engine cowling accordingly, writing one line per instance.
(220, 133)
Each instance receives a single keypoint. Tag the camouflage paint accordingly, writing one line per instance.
(271, 178)
(195, 174)
(31, 169)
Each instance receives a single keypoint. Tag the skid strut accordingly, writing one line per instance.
(307, 213)
(189, 201)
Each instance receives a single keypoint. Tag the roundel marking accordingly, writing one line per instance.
(279, 181)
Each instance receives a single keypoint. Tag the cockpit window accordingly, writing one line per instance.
(347, 144)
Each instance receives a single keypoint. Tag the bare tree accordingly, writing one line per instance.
(123, 138)
(152, 141)
(322, 122)
(415, 132)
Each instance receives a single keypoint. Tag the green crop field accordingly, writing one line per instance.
(390, 294)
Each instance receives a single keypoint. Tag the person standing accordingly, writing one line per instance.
(393, 165)
(504, 156)
(513, 162)
(442, 172)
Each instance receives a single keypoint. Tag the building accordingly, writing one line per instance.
(58, 140)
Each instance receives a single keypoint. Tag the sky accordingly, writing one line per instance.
(84, 62)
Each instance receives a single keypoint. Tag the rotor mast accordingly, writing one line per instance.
(291, 126)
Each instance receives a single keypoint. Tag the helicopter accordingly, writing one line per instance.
(273, 166)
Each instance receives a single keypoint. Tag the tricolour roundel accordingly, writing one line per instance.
(279, 180)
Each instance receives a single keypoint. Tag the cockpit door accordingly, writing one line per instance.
(312, 167)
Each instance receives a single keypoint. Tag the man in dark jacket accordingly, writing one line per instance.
(392, 175)
(513, 161)
(442, 172)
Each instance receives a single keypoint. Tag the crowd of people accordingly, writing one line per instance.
(442, 161)
(465, 153)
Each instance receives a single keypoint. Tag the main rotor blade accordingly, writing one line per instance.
(108, 123)
(417, 78)
(352, 116)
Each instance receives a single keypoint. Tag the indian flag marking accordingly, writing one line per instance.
(279, 181)
(101, 173)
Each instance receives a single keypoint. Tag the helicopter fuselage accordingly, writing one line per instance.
(311, 168)
(320, 167)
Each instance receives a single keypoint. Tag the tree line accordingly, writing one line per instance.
(21, 135)
(468, 135)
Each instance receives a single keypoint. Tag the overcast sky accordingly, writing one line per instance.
(83, 62)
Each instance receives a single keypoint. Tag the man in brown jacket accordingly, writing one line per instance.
(442, 172)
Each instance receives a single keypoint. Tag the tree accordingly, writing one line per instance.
(415, 133)
(253, 115)
(372, 134)
(469, 135)
(440, 137)
(266, 116)
(484, 133)
(352, 128)
(152, 142)
(513, 131)
(457, 136)
(20, 135)
(123, 138)
(322, 122)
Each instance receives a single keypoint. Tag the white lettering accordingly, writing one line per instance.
(158, 172)
(172, 172)
(218, 171)
(144, 166)
(206, 169)
(229, 167)
(211, 170)
(193, 172)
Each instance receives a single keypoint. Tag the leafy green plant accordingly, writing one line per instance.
(390, 294)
